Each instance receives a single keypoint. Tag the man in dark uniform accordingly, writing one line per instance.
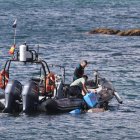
(79, 71)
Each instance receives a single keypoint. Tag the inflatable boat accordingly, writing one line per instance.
(99, 97)
(17, 97)
(48, 92)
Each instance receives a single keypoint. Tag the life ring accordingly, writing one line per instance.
(50, 82)
(4, 77)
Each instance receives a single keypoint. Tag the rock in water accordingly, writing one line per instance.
(104, 31)
(132, 32)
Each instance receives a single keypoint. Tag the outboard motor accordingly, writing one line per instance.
(13, 97)
(30, 97)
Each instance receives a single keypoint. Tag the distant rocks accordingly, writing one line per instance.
(132, 32)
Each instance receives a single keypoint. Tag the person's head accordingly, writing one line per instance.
(85, 77)
(84, 63)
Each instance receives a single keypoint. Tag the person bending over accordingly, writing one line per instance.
(78, 87)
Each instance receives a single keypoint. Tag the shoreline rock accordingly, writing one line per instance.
(131, 32)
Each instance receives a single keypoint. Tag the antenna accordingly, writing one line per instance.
(37, 52)
(14, 26)
(12, 49)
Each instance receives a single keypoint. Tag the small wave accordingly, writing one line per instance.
(136, 46)
(127, 111)
(117, 54)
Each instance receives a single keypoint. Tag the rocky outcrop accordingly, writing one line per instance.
(132, 32)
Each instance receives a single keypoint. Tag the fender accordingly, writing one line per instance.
(4, 77)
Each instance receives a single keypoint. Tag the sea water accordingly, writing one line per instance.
(60, 29)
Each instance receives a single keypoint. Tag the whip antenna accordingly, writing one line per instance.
(37, 52)
(12, 49)
(14, 26)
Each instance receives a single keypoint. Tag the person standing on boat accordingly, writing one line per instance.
(93, 83)
(78, 87)
(79, 70)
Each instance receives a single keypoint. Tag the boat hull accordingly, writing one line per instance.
(63, 105)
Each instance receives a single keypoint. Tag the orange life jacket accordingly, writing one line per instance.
(3, 75)
(50, 82)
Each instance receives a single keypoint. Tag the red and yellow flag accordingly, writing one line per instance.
(12, 50)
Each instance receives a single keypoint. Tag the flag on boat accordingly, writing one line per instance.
(12, 49)
(15, 24)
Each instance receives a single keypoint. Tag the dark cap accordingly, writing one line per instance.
(84, 61)
(85, 76)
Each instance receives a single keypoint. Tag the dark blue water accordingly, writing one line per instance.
(59, 28)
